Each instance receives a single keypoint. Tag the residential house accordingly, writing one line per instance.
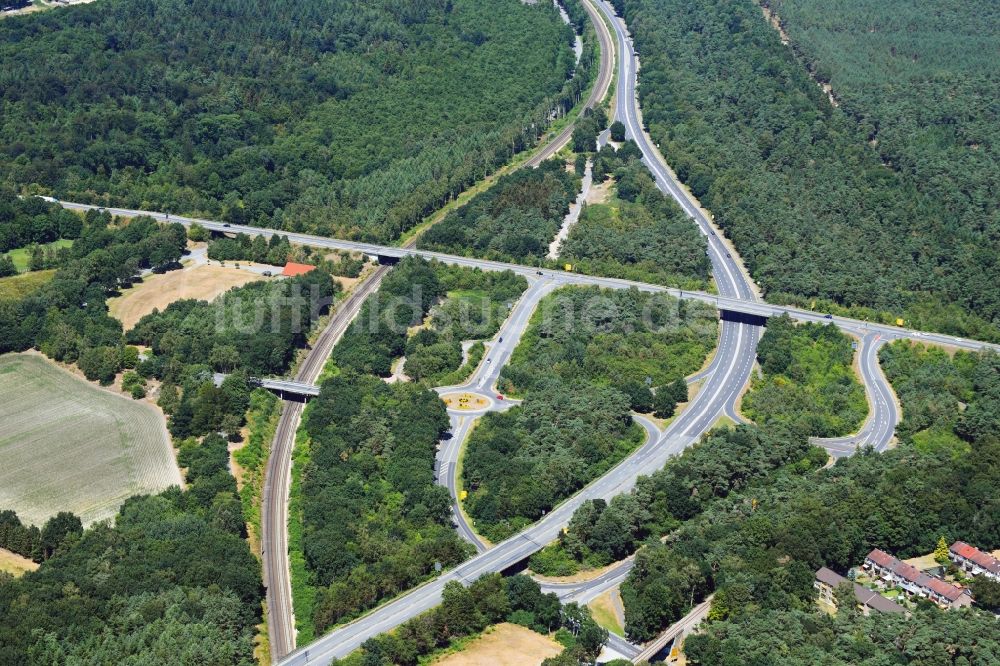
(915, 582)
(974, 560)
(828, 581)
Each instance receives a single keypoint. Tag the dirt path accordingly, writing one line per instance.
(573, 216)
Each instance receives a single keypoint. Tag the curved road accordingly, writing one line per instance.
(883, 415)
(597, 93)
(274, 513)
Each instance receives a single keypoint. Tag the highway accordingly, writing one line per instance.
(274, 513)
(732, 366)
(734, 304)
(731, 369)
(277, 475)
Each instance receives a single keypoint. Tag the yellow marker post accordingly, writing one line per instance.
(899, 322)
(462, 495)
(568, 267)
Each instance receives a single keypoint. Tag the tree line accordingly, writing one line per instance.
(32, 220)
(67, 318)
(465, 612)
(253, 330)
(311, 115)
(723, 462)
(375, 523)
(641, 234)
(417, 290)
(514, 220)
(818, 213)
(917, 81)
(758, 548)
(588, 358)
(172, 576)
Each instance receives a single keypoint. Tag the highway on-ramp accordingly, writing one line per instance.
(879, 427)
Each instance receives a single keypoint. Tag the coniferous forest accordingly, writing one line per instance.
(885, 205)
(343, 118)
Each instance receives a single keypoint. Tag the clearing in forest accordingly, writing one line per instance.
(203, 282)
(67, 445)
(15, 564)
(504, 645)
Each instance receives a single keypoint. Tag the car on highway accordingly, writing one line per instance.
(500, 396)
(828, 316)
(226, 224)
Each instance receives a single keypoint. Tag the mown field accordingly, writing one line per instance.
(68, 446)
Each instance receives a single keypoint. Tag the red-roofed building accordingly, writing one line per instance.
(974, 560)
(913, 581)
(292, 269)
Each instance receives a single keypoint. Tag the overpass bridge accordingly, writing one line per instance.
(732, 307)
(286, 389)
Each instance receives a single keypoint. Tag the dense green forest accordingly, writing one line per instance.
(514, 220)
(174, 576)
(807, 383)
(520, 463)
(276, 251)
(374, 521)
(33, 221)
(67, 318)
(758, 549)
(320, 115)
(948, 401)
(611, 337)
(920, 79)
(725, 461)
(456, 304)
(582, 366)
(807, 200)
(465, 612)
(801, 638)
(641, 234)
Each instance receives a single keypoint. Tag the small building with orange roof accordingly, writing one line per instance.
(292, 269)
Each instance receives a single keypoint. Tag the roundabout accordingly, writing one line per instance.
(466, 402)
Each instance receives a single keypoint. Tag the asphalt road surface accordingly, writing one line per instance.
(883, 414)
(729, 373)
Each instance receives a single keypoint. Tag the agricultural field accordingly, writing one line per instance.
(504, 645)
(69, 446)
(203, 282)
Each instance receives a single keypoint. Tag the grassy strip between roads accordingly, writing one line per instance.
(303, 592)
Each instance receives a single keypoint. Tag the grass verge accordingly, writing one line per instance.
(303, 591)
